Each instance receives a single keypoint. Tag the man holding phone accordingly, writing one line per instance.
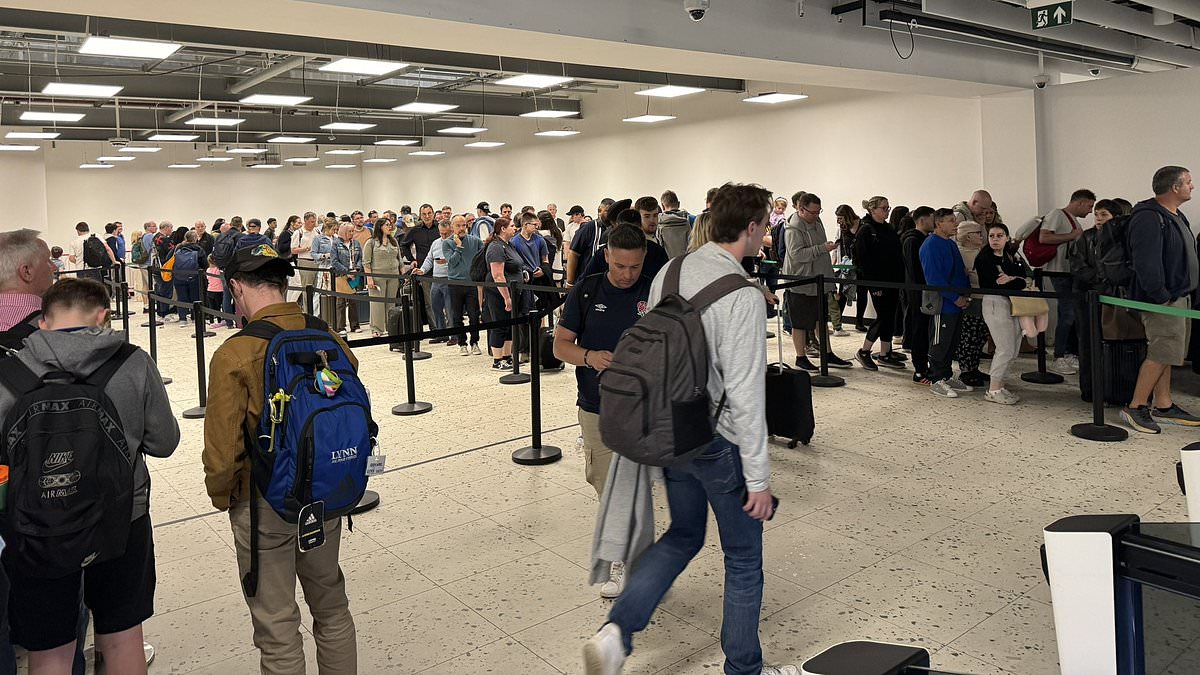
(435, 263)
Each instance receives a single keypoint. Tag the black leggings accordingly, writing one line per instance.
(860, 304)
(496, 312)
(883, 328)
(465, 298)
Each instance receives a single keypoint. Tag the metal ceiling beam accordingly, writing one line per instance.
(187, 112)
(1188, 9)
(1106, 14)
(288, 64)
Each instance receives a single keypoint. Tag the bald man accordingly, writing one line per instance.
(974, 210)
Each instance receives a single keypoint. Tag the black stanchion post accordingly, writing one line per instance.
(824, 379)
(1097, 430)
(412, 406)
(408, 322)
(154, 318)
(516, 376)
(536, 454)
(198, 412)
(1042, 376)
(198, 322)
(310, 294)
(154, 334)
(125, 308)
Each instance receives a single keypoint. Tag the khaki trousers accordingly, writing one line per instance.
(596, 457)
(388, 288)
(273, 610)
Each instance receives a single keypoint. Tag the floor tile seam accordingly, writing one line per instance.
(464, 504)
(900, 554)
(887, 621)
(393, 544)
(235, 591)
(496, 641)
(456, 599)
(888, 551)
(671, 668)
(252, 649)
(977, 657)
(536, 501)
(482, 447)
(477, 572)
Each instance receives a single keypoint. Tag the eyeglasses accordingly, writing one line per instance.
(815, 213)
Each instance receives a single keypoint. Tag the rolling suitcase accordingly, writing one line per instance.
(395, 317)
(1120, 362)
(549, 360)
(789, 399)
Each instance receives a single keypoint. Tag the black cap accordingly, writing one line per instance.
(617, 207)
(483, 206)
(252, 258)
(576, 210)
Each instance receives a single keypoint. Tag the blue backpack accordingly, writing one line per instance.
(187, 263)
(315, 434)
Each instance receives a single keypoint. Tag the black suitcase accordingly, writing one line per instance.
(549, 360)
(1121, 361)
(395, 317)
(789, 399)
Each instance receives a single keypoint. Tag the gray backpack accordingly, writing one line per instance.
(654, 403)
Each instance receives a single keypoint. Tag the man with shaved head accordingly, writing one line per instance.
(980, 204)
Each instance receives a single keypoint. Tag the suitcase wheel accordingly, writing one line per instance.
(792, 444)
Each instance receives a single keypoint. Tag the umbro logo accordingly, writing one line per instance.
(57, 460)
(600, 307)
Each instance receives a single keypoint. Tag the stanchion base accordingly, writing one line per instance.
(414, 408)
(420, 356)
(827, 381)
(1104, 433)
(207, 334)
(166, 381)
(770, 335)
(156, 324)
(1037, 377)
(531, 456)
(196, 413)
(515, 378)
(370, 500)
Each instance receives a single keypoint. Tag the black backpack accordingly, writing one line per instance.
(13, 339)
(225, 247)
(1113, 259)
(479, 266)
(70, 494)
(95, 253)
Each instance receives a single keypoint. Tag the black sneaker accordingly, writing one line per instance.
(974, 378)
(835, 361)
(803, 363)
(864, 358)
(894, 354)
(890, 360)
(860, 328)
(1139, 419)
(1175, 415)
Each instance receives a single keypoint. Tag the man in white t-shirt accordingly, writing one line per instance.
(302, 240)
(1061, 227)
(75, 255)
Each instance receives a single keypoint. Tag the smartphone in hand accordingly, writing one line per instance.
(774, 502)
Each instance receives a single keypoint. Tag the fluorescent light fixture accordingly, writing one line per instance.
(246, 151)
(21, 148)
(45, 116)
(215, 121)
(183, 166)
(424, 108)
(140, 148)
(484, 144)
(137, 49)
(649, 119)
(343, 152)
(267, 166)
(302, 160)
(378, 160)
(363, 66)
(340, 166)
(557, 133)
(670, 91)
(347, 126)
(214, 159)
(533, 81)
(274, 99)
(426, 153)
(115, 159)
(96, 166)
(81, 90)
(463, 131)
(551, 114)
(775, 97)
(173, 137)
(43, 135)
(291, 139)
(397, 141)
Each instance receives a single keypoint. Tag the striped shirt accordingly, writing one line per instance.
(16, 306)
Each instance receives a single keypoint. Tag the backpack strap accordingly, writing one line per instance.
(262, 329)
(17, 378)
(100, 377)
(671, 281)
(718, 289)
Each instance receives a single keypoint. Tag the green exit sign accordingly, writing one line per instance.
(1052, 15)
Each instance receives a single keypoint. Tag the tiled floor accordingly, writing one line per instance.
(909, 518)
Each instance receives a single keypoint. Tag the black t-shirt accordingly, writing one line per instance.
(600, 320)
(503, 252)
(587, 240)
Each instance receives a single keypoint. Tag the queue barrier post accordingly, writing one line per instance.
(198, 322)
(154, 324)
(412, 406)
(1041, 375)
(310, 294)
(1097, 430)
(824, 379)
(197, 412)
(151, 273)
(124, 288)
(536, 454)
(516, 376)
(408, 319)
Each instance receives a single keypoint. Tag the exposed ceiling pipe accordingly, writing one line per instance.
(1104, 13)
(187, 112)
(290, 63)
(1188, 9)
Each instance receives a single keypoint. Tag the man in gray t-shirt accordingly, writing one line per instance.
(1061, 227)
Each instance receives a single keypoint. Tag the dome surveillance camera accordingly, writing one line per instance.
(1041, 80)
(696, 9)
(1094, 71)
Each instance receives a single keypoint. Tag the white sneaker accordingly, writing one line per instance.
(616, 583)
(475, 351)
(170, 318)
(604, 653)
(942, 388)
(183, 324)
(1063, 366)
(958, 385)
(463, 350)
(841, 333)
(780, 670)
(148, 650)
(1001, 396)
(1073, 359)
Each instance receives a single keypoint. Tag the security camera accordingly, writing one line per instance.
(118, 142)
(1094, 71)
(696, 9)
(1041, 80)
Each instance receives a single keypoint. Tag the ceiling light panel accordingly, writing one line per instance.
(379, 160)
(81, 90)
(215, 121)
(462, 131)
(670, 91)
(302, 160)
(343, 152)
(267, 166)
(347, 126)
(275, 99)
(136, 49)
(96, 166)
(533, 81)
(115, 159)
(173, 137)
(775, 97)
(340, 166)
(291, 139)
(424, 108)
(246, 151)
(139, 148)
(183, 166)
(649, 119)
(484, 144)
(214, 159)
(19, 148)
(37, 135)
(46, 116)
(426, 153)
(397, 141)
(550, 114)
(363, 66)
(557, 133)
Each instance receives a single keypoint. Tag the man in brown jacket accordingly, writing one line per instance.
(257, 279)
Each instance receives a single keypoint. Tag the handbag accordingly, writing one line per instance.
(931, 303)
(1119, 323)
(1022, 306)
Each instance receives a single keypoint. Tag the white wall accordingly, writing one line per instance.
(1009, 151)
(23, 181)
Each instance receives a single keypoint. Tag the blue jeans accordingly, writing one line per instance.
(713, 479)
(186, 291)
(1066, 318)
(227, 303)
(441, 303)
(163, 290)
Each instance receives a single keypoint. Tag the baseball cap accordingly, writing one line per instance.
(576, 210)
(252, 258)
(483, 206)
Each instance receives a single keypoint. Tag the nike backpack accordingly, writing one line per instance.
(70, 494)
(315, 433)
(95, 253)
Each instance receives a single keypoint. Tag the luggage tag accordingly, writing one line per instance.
(375, 464)
(311, 527)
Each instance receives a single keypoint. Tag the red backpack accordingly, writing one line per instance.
(1038, 254)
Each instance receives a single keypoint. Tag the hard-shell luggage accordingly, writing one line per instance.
(395, 320)
(1122, 359)
(789, 399)
(549, 360)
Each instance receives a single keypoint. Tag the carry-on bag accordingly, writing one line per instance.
(789, 399)
(1121, 361)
